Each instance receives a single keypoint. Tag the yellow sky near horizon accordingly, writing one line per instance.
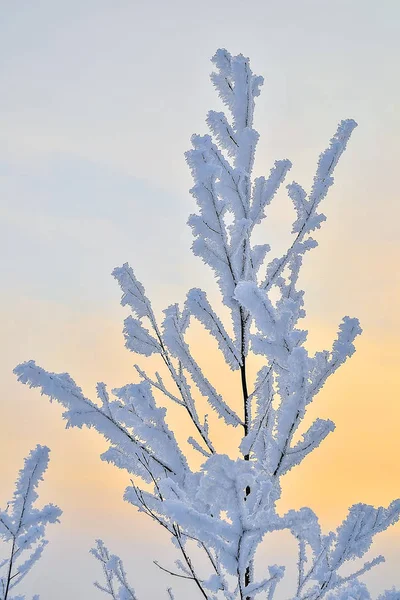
(358, 462)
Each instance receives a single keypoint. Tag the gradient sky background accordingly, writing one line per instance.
(98, 101)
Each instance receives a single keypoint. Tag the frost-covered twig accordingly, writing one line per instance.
(116, 583)
(22, 526)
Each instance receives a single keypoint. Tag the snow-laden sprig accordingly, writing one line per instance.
(174, 340)
(115, 579)
(23, 526)
(132, 424)
(308, 218)
(354, 536)
(297, 376)
(140, 340)
(134, 294)
(321, 556)
(221, 167)
(237, 87)
(198, 305)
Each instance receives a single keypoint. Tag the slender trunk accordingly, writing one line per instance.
(247, 575)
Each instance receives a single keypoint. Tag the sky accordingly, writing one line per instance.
(98, 103)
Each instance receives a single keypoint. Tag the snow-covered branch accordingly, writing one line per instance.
(23, 526)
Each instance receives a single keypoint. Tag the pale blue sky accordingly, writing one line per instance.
(98, 101)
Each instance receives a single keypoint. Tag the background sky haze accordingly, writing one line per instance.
(98, 102)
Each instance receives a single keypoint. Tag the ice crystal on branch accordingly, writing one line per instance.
(22, 525)
(228, 506)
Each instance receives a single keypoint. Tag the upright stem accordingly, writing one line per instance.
(245, 396)
(243, 376)
(246, 408)
(245, 393)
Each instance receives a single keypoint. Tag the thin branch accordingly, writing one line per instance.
(172, 572)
